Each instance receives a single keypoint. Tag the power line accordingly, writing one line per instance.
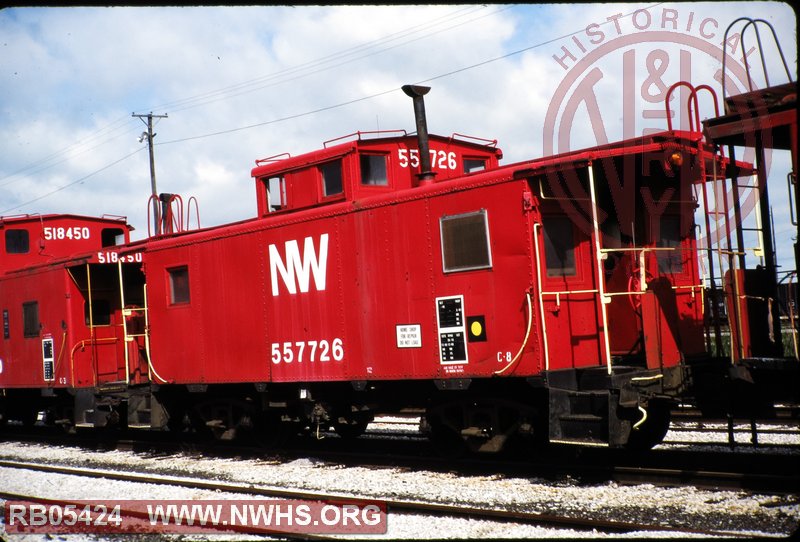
(59, 189)
(52, 159)
(382, 93)
(296, 72)
(334, 106)
(283, 119)
(254, 85)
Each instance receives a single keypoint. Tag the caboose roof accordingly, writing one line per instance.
(18, 220)
(364, 141)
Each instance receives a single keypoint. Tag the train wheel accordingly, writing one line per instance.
(653, 430)
(177, 421)
(268, 431)
(446, 441)
(351, 421)
(62, 417)
(27, 417)
(350, 429)
(489, 425)
(187, 421)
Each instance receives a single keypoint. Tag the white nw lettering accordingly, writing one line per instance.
(297, 271)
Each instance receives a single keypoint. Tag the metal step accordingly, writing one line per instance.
(579, 416)
(112, 387)
(585, 418)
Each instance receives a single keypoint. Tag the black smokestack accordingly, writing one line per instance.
(417, 92)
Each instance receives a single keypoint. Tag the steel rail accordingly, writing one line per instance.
(393, 505)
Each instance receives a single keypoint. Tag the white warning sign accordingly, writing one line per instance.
(409, 336)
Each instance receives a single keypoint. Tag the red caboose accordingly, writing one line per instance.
(554, 298)
(62, 313)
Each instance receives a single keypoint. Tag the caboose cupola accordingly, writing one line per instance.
(363, 165)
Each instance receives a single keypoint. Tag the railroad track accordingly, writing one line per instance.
(393, 506)
(408, 430)
(771, 472)
(780, 414)
(707, 427)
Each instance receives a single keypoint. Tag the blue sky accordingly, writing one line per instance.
(240, 83)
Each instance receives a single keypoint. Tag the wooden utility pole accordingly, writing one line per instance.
(150, 135)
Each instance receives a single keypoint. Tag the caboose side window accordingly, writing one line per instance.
(30, 319)
(465, 242)
(331, 178)
(276, 190)
(373, 170)
(178, 285)
(17, 242)
(559, 246)
(111, 237)
(472, 165)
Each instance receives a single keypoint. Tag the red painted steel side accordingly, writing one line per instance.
(22, 357)
(349, 290)
(380, 269)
